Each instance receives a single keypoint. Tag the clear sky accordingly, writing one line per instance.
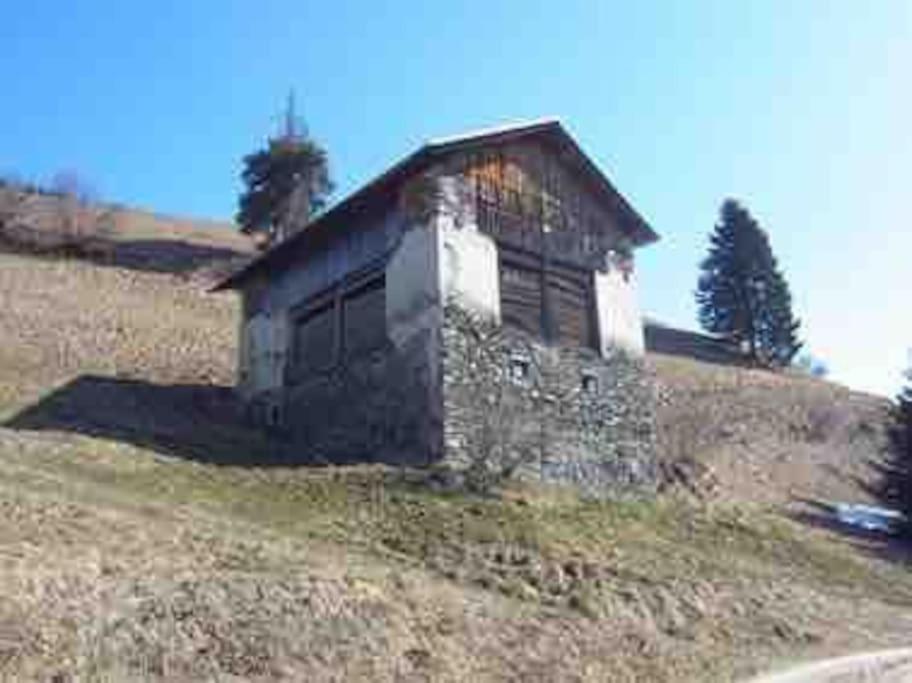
(801, 109)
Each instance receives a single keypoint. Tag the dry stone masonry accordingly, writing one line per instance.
(560, 415)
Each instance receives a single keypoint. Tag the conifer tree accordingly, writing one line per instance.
(742, 294)
(896, 489)
(285, 183)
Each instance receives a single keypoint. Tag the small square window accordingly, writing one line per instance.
(519, 369)
(590, 383)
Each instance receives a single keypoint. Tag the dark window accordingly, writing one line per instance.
(349, 320)
(364, 318)
(314, 339)
(590, 383)
(519, 369)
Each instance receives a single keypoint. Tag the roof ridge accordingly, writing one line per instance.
(511, 127)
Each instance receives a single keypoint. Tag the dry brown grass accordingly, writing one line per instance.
(768, 437)
(63, 319)
(120, 563)
(67, 226)
(41, 214)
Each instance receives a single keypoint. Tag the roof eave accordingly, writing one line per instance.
(643, 233)
(236, 279)
(640, 231)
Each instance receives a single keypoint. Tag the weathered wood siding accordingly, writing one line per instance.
(521, 297)
(552, 232)
(278, 322)
(570, 294)
(529, 199)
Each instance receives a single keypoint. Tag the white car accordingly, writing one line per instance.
(869, 517)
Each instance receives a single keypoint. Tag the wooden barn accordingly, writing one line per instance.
(346, 343)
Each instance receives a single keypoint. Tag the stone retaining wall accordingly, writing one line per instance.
(556, 414)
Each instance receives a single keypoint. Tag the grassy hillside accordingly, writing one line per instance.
(131, 238)
(771, 438)
(126, 553)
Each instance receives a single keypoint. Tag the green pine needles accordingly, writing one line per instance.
(286, 183)
(898, 473)
(742, 295)
(894, 488)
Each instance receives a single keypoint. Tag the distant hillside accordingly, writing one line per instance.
(118, 235)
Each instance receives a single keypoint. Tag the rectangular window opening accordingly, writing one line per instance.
(589, 383)
(314, 339)
(340, 323)
(519, 369)
(364, 317)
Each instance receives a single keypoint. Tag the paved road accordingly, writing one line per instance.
(888, 666)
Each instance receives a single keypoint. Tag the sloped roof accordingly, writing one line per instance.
(638, 229)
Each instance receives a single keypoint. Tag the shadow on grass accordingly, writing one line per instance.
(171, 256)
(205, 423)
(821, 515)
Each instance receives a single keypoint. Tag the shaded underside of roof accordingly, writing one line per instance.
(367, 195)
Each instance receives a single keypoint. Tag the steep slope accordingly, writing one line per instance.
(772, 438)
(126, 555)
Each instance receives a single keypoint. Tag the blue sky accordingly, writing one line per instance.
(799, 109)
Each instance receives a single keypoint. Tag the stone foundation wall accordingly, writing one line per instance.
(559, 415)
(381, 407)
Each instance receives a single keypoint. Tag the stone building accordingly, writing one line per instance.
(479, 295)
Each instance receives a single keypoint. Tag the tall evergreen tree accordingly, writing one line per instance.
(742, 294)
(896, 487)
(285, 183)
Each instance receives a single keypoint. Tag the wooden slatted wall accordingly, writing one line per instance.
(571, 308)
(566, 317)
(521, 297)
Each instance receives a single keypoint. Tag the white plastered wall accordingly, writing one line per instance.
(435, 263)
(619, 320)
(470, 268)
